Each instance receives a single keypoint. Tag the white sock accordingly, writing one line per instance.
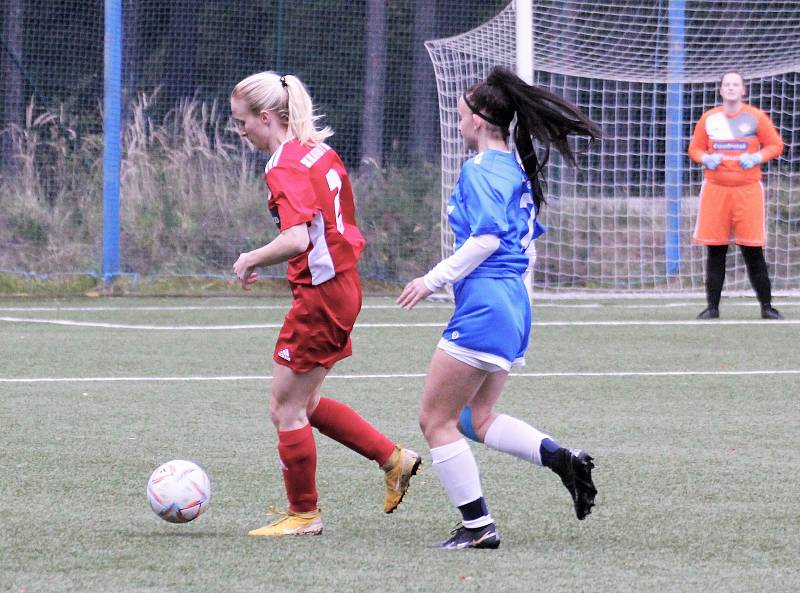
(456, 469)
(515, 437)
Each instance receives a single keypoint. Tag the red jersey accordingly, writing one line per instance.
(748, 130)
(309, 184)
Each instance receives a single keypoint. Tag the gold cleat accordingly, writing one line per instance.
(402, 464)
(291, 523)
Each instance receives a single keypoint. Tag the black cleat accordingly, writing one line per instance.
(574, 467)
(769, 312)
(709, 313)
(486, 537)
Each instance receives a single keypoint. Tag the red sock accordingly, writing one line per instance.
(298, 454)
(342, 423)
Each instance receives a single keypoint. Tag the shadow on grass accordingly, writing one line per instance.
(178, 533)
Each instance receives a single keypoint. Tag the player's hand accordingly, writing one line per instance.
(748, 160)
(712, 161)
(413, 293)
(250, 279)
(244, 271)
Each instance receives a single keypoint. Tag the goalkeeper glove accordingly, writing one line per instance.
(748, 160)
(712, 161)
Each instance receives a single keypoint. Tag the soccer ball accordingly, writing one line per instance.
(178, 491)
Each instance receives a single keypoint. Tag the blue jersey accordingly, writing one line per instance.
(493, 197)
(492, 318)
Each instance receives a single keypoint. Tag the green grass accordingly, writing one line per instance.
(696, 473)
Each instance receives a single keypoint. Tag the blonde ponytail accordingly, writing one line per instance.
(288, 98)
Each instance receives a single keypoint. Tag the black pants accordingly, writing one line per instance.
(756, 271)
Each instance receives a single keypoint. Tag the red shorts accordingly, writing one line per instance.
(316, 331)
(738, 208)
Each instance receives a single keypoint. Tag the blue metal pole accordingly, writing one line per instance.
(112, 142)
(675, 148)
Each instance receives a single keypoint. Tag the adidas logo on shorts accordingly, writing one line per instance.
(285, 354)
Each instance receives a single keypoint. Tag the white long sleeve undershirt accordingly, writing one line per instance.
(459, 265)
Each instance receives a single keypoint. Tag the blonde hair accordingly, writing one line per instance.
(288, 98)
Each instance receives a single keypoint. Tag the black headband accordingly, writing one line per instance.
(283, 82)
(483, 116)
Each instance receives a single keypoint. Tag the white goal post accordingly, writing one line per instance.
(621, 222)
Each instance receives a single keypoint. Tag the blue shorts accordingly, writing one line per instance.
(491, 322)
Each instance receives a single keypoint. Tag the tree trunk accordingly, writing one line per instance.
(374, 85)
(131, 69)
(424, 131)
(11, 77)
(182, 78)
(455, 17)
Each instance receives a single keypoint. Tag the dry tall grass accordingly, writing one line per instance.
(50, 201)
(192, 197)
(190, 193)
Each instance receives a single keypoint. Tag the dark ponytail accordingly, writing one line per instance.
(541, 115)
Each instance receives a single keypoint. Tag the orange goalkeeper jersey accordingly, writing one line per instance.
(748, 130)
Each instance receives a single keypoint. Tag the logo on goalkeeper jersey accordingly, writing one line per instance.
(729, 145)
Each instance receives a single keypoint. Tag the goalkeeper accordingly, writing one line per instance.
(731, 141)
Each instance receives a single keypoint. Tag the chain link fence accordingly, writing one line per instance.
(192, 193)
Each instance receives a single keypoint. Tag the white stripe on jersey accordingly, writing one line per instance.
(315, 154)
(699, 210)
(718, 127)
(273, 160)
(320, 262)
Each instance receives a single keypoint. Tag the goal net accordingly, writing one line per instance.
(610, 224)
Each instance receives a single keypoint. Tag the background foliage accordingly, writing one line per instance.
(192, 192)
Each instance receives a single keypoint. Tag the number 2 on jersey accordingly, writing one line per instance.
(526, 203)
(335, 183)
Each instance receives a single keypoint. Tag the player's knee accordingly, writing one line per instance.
(434, 426)
(274, 411)
(425, 424)
(283, 413)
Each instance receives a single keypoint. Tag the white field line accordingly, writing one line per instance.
(536, 305)
(255, 326)
(190, 379)
(190, 308)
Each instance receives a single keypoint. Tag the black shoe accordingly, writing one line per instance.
(769, 312)
(709, 313)
(574, 467)
(462, 537)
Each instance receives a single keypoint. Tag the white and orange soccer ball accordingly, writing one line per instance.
(179, 491)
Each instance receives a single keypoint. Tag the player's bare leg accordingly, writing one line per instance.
(450, 384)
(510, 435)
(291, 395)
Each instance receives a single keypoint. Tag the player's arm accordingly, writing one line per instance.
(698, 147)
(293, 197)
(487, 208)
(290, 242)
(461, 264)
(452, 269)
(771, 141)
